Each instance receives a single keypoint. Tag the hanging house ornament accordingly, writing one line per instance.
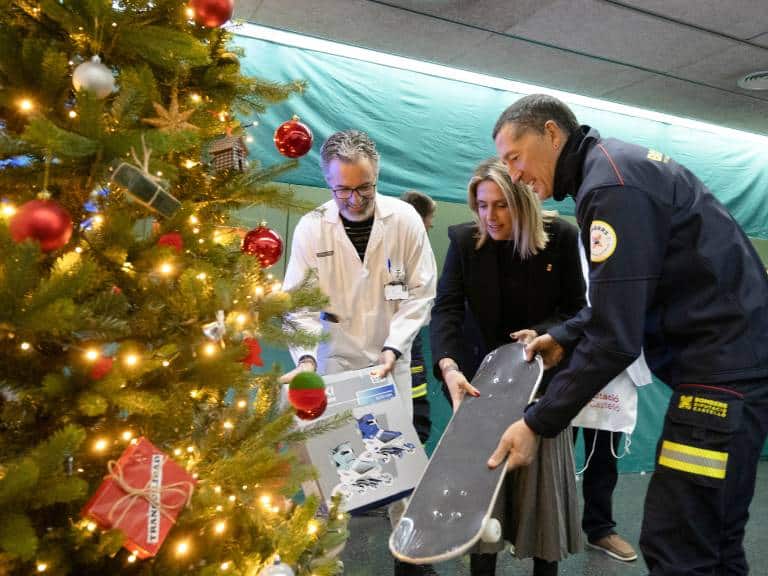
(229, 153)
(93, 77)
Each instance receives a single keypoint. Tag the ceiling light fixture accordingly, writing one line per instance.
(754, 81)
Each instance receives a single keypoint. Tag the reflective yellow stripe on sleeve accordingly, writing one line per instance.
(693, 460)
(419, 391)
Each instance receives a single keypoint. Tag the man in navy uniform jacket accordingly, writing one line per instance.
(670, 272)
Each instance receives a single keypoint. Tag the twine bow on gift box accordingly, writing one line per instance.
(154, 496)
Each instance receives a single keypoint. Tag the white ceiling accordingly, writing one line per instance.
(681, 57)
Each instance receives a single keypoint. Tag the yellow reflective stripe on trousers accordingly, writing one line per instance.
(417, 369)
(694, 460)
(419, 391)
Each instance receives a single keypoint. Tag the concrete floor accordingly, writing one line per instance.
(367, 554)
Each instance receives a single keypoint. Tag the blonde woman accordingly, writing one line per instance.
(513, 270)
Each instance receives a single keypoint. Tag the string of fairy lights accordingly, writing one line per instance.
(131, 357)
(183, 546)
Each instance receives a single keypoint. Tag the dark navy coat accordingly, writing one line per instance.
(670, 271)
(466, 314)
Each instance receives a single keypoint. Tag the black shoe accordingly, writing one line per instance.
(482, 564)
(405, 569)
(544, 568)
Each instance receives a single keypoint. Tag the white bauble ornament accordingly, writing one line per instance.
(277, 569)
(93, 77)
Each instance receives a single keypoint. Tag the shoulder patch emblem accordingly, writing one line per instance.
(657, 156)
(602, 241)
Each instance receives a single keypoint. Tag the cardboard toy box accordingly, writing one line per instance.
(375, 459)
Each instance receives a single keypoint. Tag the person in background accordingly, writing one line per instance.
(599, 480)
(513, 270)
(670, 273)
(426, 207)
(371, 256)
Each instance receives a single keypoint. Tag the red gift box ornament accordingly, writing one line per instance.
(142, 495)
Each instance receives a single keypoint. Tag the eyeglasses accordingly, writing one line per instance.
(364, 191)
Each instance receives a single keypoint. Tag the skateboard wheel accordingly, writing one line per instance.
(491, 531)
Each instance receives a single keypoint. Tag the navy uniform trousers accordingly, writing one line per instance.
(697, 503)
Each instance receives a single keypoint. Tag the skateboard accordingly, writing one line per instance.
(450, 508)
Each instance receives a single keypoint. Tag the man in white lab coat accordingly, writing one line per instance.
(372, 258)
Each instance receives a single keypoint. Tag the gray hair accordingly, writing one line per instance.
(533, 111)
(349, 146)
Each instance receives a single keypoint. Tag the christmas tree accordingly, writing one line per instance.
(132, 308)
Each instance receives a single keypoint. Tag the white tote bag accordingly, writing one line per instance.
(614, 408)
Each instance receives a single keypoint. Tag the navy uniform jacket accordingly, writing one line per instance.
(670, 271)
(466, 314)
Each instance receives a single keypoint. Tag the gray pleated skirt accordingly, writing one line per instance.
(539, 506)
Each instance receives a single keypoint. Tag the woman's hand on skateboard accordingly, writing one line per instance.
(456, 382)
(519, 441)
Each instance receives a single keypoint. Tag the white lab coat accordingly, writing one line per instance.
(367, 322)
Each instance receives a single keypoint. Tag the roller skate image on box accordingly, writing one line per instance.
(358, 474)
(382, 443)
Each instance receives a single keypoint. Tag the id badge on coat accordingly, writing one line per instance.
(396, 288)
(396, 291)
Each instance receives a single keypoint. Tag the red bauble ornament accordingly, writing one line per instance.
(212, 13)
(101, 367)
(43, 220)
(172, 239)
(307, 400)
(314, 413)
(306, 393)
(292, 138)
(265, 244)
(253, 358)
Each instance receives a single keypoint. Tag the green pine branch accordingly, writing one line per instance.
(102, 339)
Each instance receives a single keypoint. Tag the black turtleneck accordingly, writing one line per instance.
(570, 164)
(513, 286)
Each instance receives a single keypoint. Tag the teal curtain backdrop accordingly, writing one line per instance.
(431, 132)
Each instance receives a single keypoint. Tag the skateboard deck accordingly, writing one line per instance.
(450, 508)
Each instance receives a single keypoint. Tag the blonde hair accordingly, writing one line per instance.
(528, 218)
